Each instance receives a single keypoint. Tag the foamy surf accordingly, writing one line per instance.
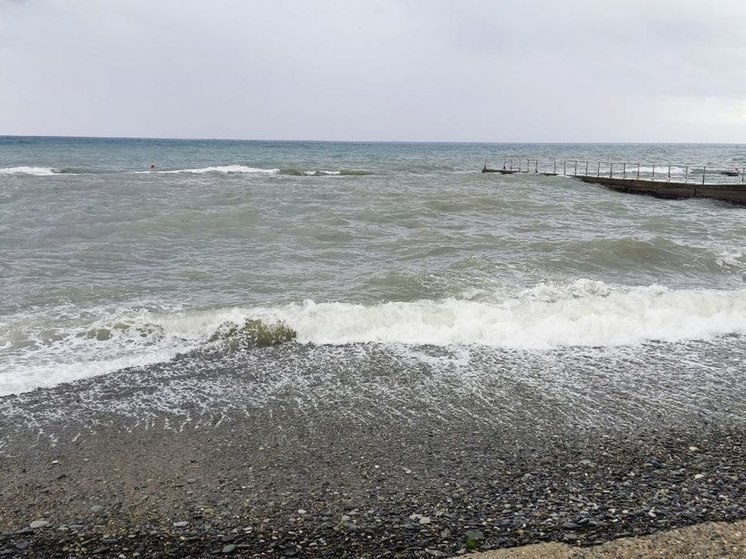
(40, 353)
(24, 170)
(585, 314)
(224, 169)
(243, 169)
(76, 344)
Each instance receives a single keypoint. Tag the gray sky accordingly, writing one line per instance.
(458, 70)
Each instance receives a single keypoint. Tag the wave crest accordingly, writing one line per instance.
(548, 316)
(223, 169)
(323, 173)
(25, 170)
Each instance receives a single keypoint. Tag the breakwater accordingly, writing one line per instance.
(662, 181)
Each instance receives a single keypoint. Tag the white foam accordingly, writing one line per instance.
(225, 169)
(42, 351)
(322, 173)
(45, 351)
(37, 171)
(545, 317)
(730, 258)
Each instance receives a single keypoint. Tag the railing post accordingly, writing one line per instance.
(586, 168)
(638, 171)
(624, 170)
(598, 169)
(669, 173)
(686, 174)
(564, 167)
(555, 166)
(704, 173)
(653, 171)
(611, 169)
(575, 172)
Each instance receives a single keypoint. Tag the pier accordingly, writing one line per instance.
(662, 181)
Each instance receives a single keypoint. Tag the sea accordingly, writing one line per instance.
(143, 256)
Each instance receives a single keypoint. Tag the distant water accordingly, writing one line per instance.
(105, 264)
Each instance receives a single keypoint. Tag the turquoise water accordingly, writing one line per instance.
(105, 264)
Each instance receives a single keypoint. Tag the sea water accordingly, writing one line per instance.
(398, 252)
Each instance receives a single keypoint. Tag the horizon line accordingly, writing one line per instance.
(466, 142)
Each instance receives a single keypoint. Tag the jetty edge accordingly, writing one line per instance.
(638, 179)
(733, 193)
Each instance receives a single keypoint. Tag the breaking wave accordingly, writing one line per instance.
(35, 171)
(238, 169)
(218, 169)
(47, 171)
(224, 169)
(323, 173)
(543, 318)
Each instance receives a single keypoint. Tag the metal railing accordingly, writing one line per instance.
(650, 171)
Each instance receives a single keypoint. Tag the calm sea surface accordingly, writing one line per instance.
(407, 248)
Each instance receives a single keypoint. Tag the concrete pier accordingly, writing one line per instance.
(675, 182)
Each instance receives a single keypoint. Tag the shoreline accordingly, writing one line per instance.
(111, 466)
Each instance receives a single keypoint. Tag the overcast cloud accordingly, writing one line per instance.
(459, 70)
